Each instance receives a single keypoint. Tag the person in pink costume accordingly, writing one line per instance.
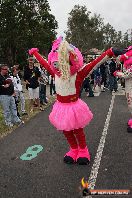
(70, 114)
(126, 59)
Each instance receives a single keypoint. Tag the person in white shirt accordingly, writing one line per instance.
(42, 87)
(18, 88)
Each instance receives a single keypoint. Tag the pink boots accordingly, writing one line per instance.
(129, 128)
(78, 150)
(81, 156)
(70, 157)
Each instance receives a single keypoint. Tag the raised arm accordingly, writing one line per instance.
(86, 69)
(41, 60)
(112, 52)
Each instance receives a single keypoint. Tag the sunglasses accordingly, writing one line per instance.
(4, 69)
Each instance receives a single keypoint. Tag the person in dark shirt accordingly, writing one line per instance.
(31, 77)
(112, 78)
(103, 76)
(97, 79)
(87, 84)
(6, 98)
(28, 72)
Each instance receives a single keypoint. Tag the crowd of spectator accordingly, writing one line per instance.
(7, 98)
(103, 77)
(35, 79)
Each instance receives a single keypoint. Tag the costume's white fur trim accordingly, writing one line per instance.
(65, 87)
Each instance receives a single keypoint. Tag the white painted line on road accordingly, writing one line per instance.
(97, 93)
(97, 160)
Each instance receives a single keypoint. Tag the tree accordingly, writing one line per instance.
(84, 31)
(109, 34)
(119, 40)
(25, 24)
(127, 38)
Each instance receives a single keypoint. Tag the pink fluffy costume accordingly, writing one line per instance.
(70, 114)
(126, 59)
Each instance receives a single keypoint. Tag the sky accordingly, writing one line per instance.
(116, 12)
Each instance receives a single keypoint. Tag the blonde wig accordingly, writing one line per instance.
(63, 58)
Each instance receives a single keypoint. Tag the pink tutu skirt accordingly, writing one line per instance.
(69, 116)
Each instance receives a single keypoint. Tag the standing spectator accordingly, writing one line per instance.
(112, 78)
(6, 98)
(97, 78)
(103, 76)
(28, 71)
(52, 85)
(31, 77)
(107, 74)
(42, 87)
(87, 86)
(18, 89)
(122, 80)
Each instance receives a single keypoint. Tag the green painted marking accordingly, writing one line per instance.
(31, 152)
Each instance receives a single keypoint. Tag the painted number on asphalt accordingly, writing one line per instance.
(31, 152)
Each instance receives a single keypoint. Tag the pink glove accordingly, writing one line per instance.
(32, 51)
(115, 73)
(118, 74)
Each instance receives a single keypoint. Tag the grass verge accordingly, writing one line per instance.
(4, 130)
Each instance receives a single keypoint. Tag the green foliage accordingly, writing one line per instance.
(86, 31)
(25, 24)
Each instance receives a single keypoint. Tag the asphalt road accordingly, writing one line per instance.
(47, 176)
